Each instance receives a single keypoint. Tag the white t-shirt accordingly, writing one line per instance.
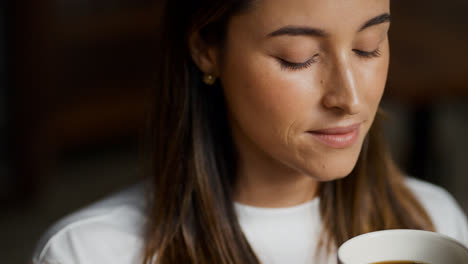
(110, 231)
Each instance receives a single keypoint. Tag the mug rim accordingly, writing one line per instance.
(449, 239)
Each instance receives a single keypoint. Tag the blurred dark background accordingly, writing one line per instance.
(74, 75)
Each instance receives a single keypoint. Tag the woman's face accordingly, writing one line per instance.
(303, 80)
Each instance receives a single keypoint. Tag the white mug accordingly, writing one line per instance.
(402, 245)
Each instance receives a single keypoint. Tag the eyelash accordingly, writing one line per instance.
(367, 55)
(287, 65)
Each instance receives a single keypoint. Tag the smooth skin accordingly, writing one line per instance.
(290, 67)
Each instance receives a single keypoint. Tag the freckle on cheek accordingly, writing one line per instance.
(323, 166)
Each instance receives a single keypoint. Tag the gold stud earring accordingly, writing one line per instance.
(209, 79)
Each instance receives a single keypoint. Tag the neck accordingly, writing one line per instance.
(264, 182)
(266, 192)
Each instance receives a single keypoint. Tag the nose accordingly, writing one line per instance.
(341, 91)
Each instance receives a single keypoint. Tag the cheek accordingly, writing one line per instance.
(375, 78)
(263, 98)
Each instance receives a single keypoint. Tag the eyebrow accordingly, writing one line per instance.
(376, 21)
(315, 32)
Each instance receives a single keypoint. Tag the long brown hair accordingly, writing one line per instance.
(191, 216)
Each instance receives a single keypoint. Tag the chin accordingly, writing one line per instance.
(337, 175)
(332, 168)
(332, 175)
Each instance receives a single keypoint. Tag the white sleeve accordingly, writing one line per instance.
(458, 224)
(58, 250)
(446, 215)
(93, 241)
(108, 231)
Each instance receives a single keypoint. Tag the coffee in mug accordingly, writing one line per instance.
(399, 262)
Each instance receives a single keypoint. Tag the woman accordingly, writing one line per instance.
(265, 143)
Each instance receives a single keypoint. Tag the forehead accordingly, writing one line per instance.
(332, 16)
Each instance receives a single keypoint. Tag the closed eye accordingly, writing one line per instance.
(287, 65)
(368, 54)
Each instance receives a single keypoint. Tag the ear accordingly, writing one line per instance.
(204, 55)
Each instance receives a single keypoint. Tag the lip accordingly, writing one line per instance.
(337, 137)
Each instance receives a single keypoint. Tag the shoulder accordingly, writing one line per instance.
(109, 231)
(443, 209)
